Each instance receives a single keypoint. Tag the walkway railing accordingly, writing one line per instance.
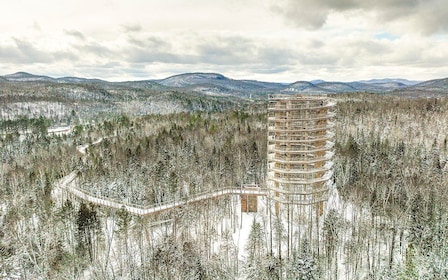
(142, 210)
(67, 183)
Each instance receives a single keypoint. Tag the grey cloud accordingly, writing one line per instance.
(319, 59)
(36, 26)
(95, 49)
(75, 33)
(273, 69)
(152, 56)
(225, 52)
(301, 14)
(345, 5)
(425, 16)
(369, 48)
(110, 69)
(432, 61)
(432, 18)
(277, 56)
(28, 52)
(345, 53)
(136, 70)
(151, 50)
(149, 42)
(129, 28)
(315, 44)
(9, 54)
(219, 51)
(234, 50)
(137, 50)
(25, 52)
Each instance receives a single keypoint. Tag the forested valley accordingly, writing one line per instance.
(387, 218)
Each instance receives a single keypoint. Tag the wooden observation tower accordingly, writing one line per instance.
(300, 150)
(299, 165)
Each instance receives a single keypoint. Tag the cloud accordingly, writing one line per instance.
(239, 51)
(143, 56)
(27, 52)
(302, 15)
(152, 49)
(75, 33)
(36, 26)
(432, 17)
(420, 16)
(345, 43)
(25, 55)
(277, 57)
(131, 28)
(226, 50)
(213, 49)
(24, 52)
(149, 42)
(9, 54)
(94, 49)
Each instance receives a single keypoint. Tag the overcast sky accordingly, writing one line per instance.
(281, 40)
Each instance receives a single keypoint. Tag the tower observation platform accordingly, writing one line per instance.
(300, 149)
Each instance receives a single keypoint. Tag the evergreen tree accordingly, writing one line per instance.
(255, 251)
(303, 266)
(410, 270)
(254, 245)
(88, 225)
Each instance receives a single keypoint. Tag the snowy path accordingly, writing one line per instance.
(68, 184)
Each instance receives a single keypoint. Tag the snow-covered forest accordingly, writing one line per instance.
(162, 158)
(387, 218)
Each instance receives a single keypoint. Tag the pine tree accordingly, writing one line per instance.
(255, 249)
(303, 266)
(410, 270)
(255, 243)
(88, 225)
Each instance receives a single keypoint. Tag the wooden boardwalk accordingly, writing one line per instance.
(68, 184)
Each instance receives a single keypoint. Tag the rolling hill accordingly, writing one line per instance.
(218, 84)
(176, 93)
(431, 88)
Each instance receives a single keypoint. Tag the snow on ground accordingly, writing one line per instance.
(335, 203)
(245, 221)
(3, 209)
(60, 130)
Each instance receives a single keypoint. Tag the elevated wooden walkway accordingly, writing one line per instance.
(68, 184)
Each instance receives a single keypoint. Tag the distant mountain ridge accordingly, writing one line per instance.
(388, 80)
(220, 85)
(189, 79)
(431, 88)
(27, 77)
